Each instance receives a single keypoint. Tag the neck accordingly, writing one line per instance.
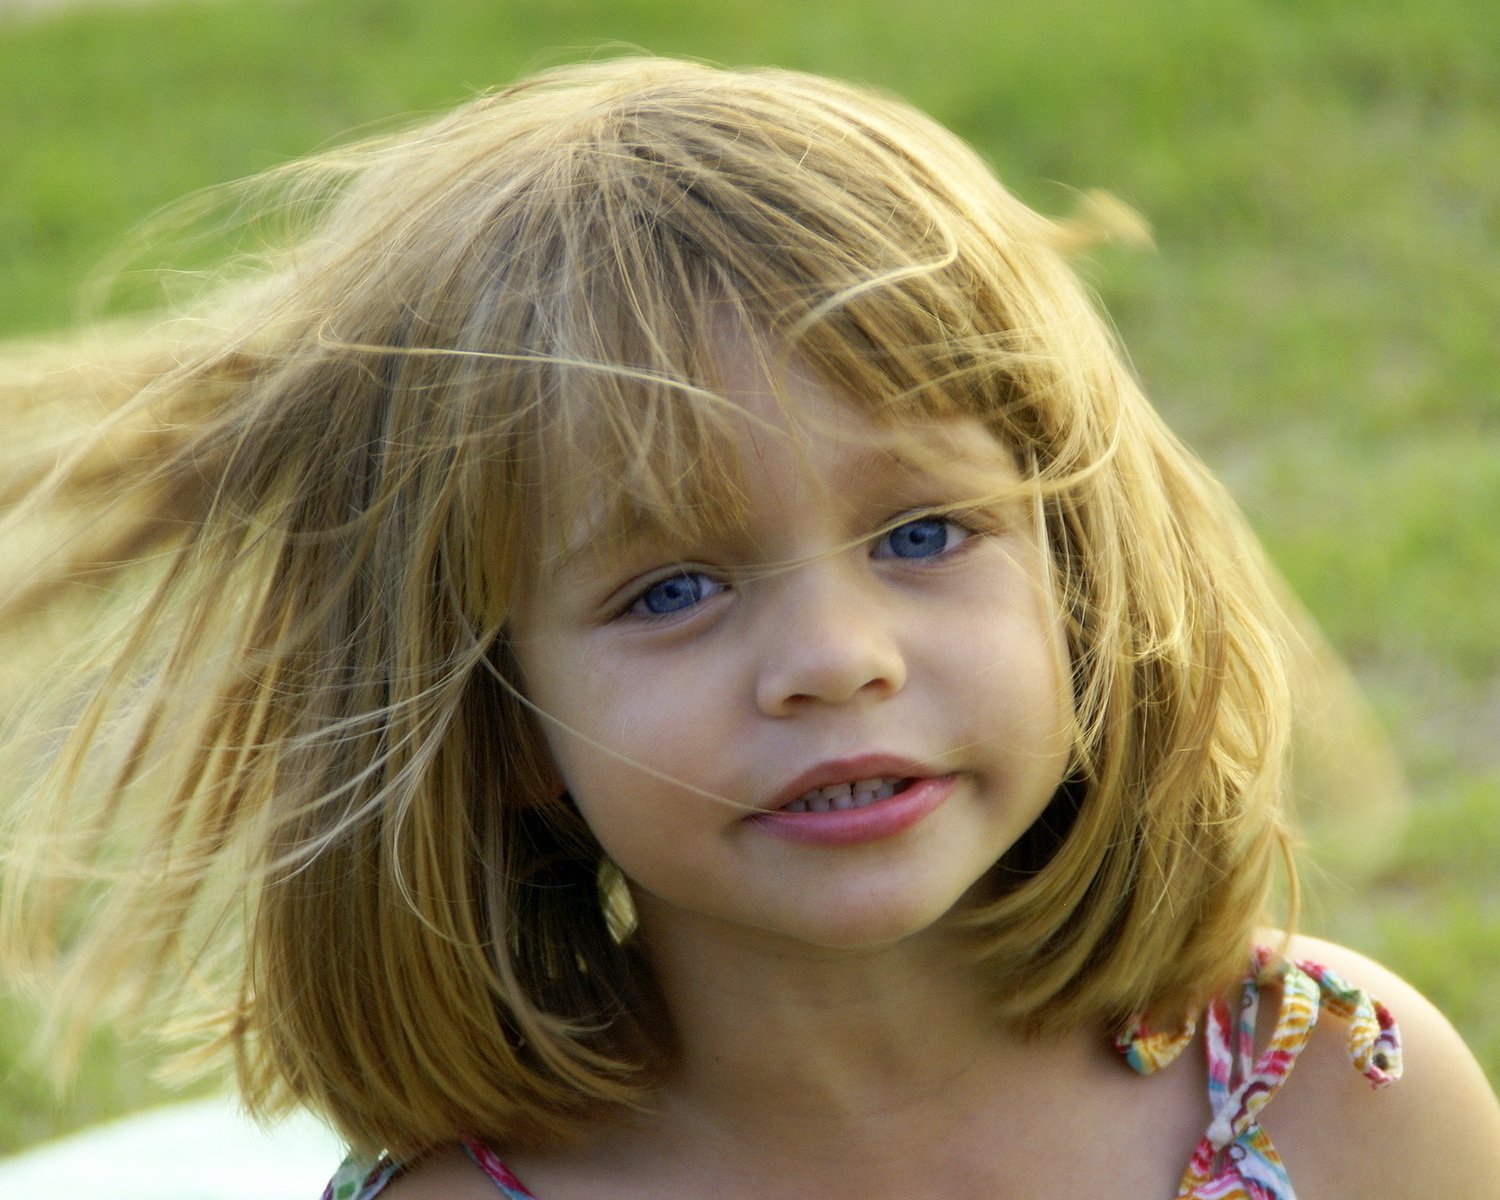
(868, 1050)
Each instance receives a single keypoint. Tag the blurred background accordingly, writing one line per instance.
(1319, 317)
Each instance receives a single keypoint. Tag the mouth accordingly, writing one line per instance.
(853, 801)
(841, 797)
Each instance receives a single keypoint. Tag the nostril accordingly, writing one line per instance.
(829, 680)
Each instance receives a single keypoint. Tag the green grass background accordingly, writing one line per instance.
(1320, 317)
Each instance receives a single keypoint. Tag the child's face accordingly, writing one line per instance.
(923, 666)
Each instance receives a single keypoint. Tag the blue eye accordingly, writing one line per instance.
(675, 593)
(925, 537)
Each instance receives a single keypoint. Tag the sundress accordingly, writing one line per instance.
(1234, 1160)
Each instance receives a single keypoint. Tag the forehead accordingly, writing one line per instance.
(790, 424)
(767, 435)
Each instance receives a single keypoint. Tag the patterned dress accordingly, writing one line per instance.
(1234, 1160)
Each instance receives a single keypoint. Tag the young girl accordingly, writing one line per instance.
(656, 650)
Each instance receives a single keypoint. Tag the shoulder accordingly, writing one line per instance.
(1435, 1132)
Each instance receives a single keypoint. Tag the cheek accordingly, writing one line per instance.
(615, 735)
(1019, 674)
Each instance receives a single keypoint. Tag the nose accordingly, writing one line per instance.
(826, 638)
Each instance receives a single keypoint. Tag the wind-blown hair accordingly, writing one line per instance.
(297, 523)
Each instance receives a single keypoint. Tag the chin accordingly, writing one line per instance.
(873, 929)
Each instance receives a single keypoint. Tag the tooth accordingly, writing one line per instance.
(844, 796)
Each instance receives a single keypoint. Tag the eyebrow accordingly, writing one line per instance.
(580, 550)
(878, 460)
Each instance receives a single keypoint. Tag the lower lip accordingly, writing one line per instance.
(850, 826)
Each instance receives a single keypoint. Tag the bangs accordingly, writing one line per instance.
(664, 226)
(619, 458)
(569, 269)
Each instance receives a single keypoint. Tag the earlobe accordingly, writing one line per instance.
(544, 787)
(559, 832)
(551, 784)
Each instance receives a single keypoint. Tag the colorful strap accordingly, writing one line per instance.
(487, 1161)
(1235, 1159)
(364, 1179)
(359, 1179)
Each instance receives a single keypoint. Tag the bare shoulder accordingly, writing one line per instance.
(448, 1174)
(1436, 1132)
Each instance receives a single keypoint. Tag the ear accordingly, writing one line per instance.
(554, 784)
(528, 766)
(536, 780)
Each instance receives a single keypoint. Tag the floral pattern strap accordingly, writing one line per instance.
(488, 1162)
(360, 1178)
(1235, 1159)
(364, 1178)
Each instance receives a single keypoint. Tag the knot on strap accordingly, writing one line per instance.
(1374, 1040)
(1240, 1083)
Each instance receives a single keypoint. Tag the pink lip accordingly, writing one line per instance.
(846, 827)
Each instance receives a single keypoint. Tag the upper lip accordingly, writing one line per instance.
(848, 770)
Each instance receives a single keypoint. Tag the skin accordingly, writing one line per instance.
(834, 1042)
(1434, 1133)
(948, 660)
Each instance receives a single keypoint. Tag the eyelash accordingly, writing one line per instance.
(635, 606)
(950, 521)
(966, 525)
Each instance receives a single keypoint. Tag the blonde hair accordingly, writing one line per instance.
(311, 508)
